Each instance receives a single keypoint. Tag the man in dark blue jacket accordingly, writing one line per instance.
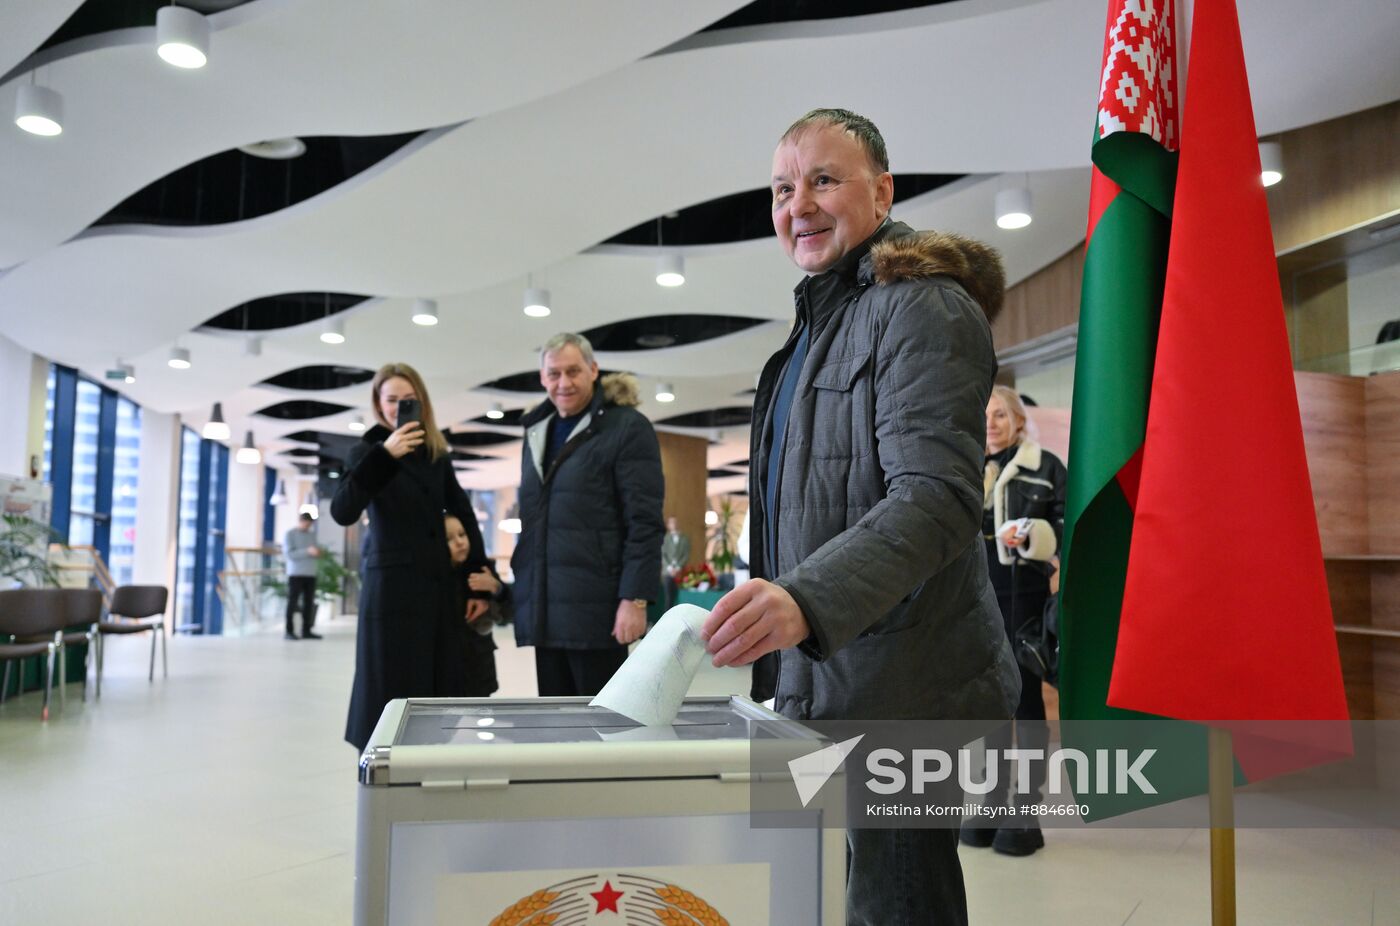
(589, 554)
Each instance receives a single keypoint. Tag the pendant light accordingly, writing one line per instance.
(665, 392)
(179, 358)
(536, 299)
(334, 332)
(425, 312)
(182, 37)
(495, 412)
(248, 453)
(1013, 208)
(39, 110)
(216, 428)
(279, 494)
(1270, 162)
(358, 424)
(670, 268)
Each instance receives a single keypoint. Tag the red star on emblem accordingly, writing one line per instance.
(607, 898)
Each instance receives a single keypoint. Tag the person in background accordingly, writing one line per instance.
(411, 633)
(675, 553)
(1023, 518)
(300, 549)
(870, 579)
(589, 554)
(483, 595)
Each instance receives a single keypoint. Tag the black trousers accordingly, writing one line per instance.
(301, 589)
(1029, 730)
(573, 672)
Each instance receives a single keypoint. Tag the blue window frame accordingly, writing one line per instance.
(200, 534)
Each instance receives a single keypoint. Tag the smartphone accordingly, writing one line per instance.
(1022, 529)
(409, 410)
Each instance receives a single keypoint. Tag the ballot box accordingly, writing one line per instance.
(499, 812)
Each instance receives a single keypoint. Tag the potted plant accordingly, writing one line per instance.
(24, 546)
(721, 542)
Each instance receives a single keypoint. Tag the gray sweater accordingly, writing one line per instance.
(295, 547)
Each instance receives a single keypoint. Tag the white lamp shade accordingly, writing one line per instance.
(1270, 162)
(357, 425)
(670, 270)
(335, 332)
(248, 453)
(182, 37)
(179, 358)
(216, 428)
(39, 110)
(537, 302)
(665, 392)
(495, 412)
(425, 312)
(1014, 208)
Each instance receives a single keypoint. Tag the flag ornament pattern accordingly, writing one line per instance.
(1137, 92)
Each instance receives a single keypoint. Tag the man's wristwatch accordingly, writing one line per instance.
(639, 602)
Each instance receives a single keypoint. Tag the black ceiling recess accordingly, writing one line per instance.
(744, 216)
(298, 409)
(764, 12)
(320, 377)
(731, 417)
(283, 311)
(722, 474)
(478, 439)
(301, 452)
(467, 456)
(231, 186)
(510, 417)
(653, 332)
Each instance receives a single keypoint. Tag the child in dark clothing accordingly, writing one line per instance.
(483, 595)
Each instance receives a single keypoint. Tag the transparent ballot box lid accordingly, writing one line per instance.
(499, 740)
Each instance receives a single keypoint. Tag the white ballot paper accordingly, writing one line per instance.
(652, 683)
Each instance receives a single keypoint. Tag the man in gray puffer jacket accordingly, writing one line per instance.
(866, 489)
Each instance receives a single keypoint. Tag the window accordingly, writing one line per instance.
(200, 537)
(121, 556)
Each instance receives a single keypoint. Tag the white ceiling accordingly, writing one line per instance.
(556, 125)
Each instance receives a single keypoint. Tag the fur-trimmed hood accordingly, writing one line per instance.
(974, 265)
(621, 389)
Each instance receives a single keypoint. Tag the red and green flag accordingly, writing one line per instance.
(1125, 263)
(1192, 583)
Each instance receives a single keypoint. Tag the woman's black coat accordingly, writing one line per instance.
(412, 631)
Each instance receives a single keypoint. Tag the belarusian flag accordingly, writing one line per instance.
(1225, 612)
(1125, 261)
(1170, 605)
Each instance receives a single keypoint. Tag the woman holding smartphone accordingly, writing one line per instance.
(1023, 519)
(411, 633)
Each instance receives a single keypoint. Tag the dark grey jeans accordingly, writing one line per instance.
(904, 878)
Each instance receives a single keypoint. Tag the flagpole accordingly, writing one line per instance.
(1221, 762)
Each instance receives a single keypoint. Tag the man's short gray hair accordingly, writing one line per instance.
(862, 128)
(565, 339)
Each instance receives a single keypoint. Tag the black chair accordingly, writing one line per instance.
(38, 616)
(136, 609)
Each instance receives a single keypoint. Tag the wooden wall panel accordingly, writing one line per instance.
(1383, 458)
(1334, 432)
(1357, 653)
(683, 463)
(1045, 301)
(1385, 670)
(1337, 174)
(1349, 588)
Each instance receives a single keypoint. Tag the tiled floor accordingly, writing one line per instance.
(226, 795)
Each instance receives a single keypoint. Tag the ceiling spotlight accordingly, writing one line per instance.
(334, 332)
(670, 270)
(248, 453)
(276, 149)
(1014, 208)
(536, 302)
(216, 428)
(39, 110)
(279, 494)
(1270, 162)
(665, 392)
(425, 312)
(182, 37)
(495, 412)
(358, 424)
(712, 517)
(179, 358)
(252, 347)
